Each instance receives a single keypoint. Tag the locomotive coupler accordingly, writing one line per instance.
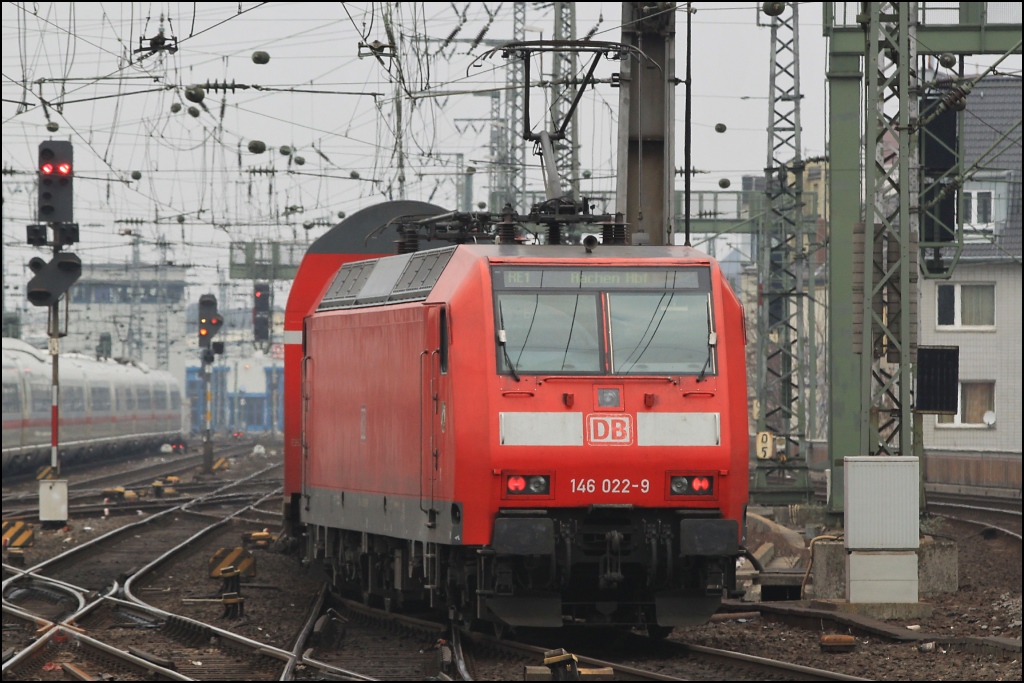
(611, 563)
(658, 534)
(715, 578)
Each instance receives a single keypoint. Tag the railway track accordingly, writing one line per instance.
(374, 643)
(24, 494)
(108, 559)
(645, 660)
(371, 644)
(1001, 516)
(138, 641)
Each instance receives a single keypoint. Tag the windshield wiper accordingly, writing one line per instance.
(502, 339)
(712, 340)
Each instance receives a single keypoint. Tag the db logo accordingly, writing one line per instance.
(610, 430)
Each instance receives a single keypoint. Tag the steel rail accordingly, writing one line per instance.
(48, 629)
(153, 564)
(115, 509)
(35, 569)
(980, 523)
(80, 639)
(84, 607)
(132, 477)
(51, 629)
(300, 642)
(979, 508)
(291, 659)
(412, 622)
(460, 659)
(41, 623)
(25, 583)
(248, 643)
(796, 672)
(25, 574)
(733, 659)
(623, 669)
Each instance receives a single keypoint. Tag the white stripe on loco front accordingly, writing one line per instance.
(678, 429)
(541, 429)
(293, 336)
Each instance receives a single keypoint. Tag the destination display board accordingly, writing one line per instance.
(694, 278)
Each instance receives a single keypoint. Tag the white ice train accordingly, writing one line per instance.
(105, 406)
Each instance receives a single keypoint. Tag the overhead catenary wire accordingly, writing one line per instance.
(172, 151)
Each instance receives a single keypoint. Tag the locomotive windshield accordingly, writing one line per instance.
(623, 321)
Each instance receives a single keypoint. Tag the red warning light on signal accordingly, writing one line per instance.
(63, 168)
(47, 169)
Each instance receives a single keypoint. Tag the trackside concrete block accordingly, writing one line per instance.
(881, 576)
(936, 568)
(828, 573)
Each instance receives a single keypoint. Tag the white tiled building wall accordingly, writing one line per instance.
(992, 355)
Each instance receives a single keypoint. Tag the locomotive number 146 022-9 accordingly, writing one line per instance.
(610, 485)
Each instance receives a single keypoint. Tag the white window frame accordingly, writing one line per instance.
(997, 184)
(958, 309)
(956, 423)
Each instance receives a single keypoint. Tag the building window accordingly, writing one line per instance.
(967, 306)
(985, 203)
(978, 209)
(976, 399)
(80, 294)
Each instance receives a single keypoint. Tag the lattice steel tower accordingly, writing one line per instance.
(886, 324)
(563, 88)
(163, 349)
(785, 357)
(507, 175)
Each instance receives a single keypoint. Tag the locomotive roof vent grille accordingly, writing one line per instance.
(348, 282)
(406, 277)
(422, 272)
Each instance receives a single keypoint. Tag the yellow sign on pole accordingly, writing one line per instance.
(764, 445)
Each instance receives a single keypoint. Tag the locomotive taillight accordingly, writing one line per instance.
(528, 485)
(692, 486)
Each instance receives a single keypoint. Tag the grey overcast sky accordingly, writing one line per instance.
(317, 96)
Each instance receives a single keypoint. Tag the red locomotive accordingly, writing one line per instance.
(533, 435)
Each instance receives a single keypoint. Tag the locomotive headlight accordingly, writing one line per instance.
(538, 485)
(692, 486)
(608, 398)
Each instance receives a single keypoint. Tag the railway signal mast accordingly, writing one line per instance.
(261, 312)
(210, 322)
(51, 281)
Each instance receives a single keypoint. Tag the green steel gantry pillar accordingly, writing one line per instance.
(873, 247)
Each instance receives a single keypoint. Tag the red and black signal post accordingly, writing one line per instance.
(50, 282)
(210, 322)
